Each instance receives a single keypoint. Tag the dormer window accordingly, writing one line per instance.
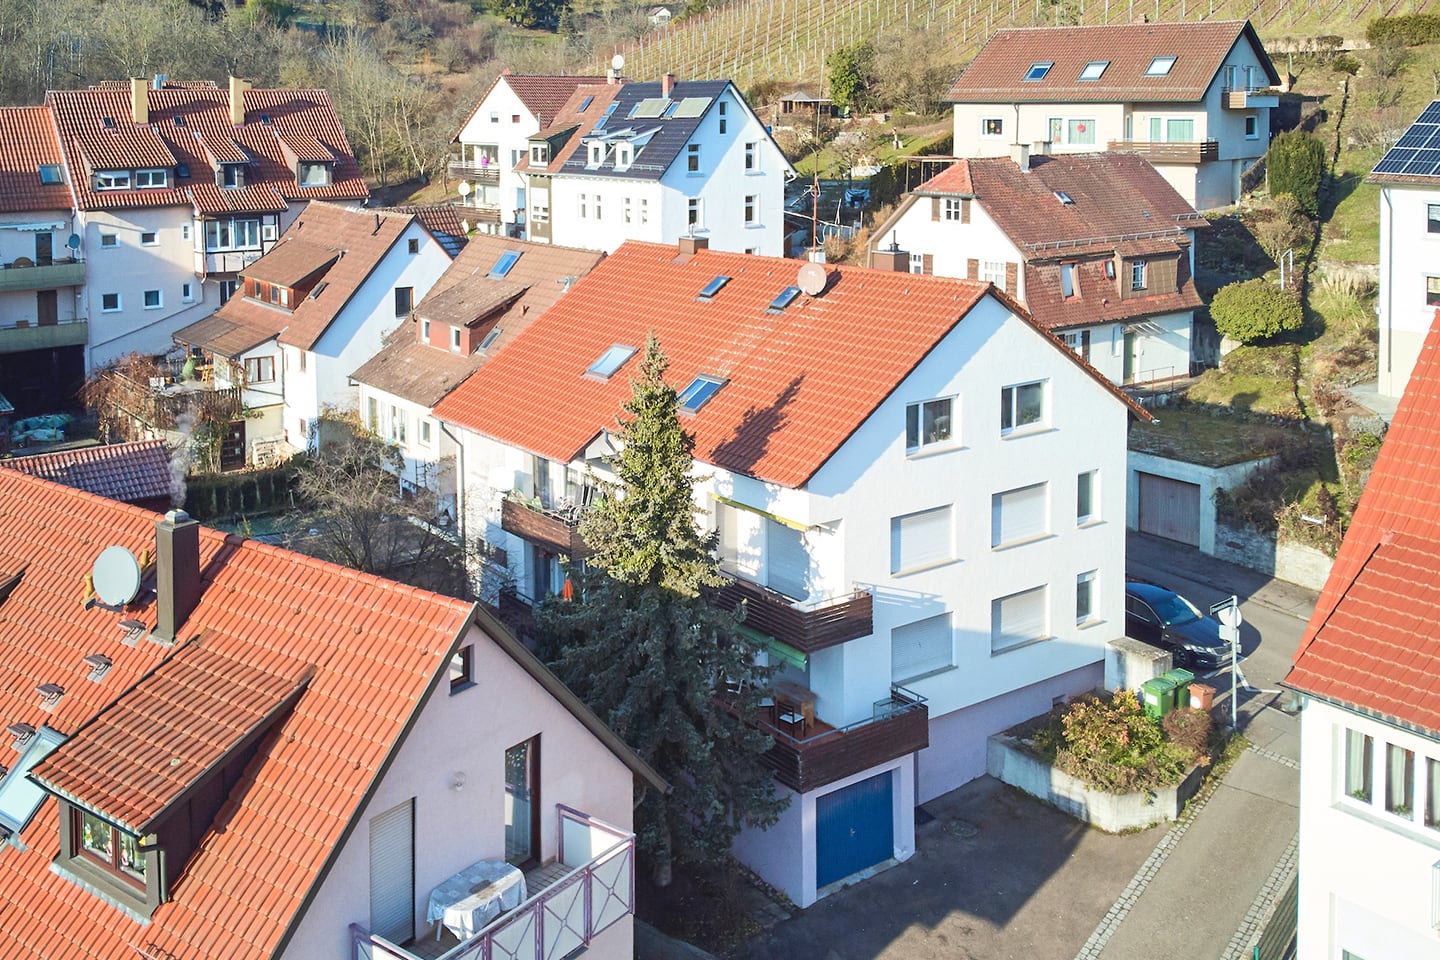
(112, 180)
(314, 173)
(111, 849)
(539, 153)
(1037, 71)
(1094, 69)
(152, 178)
(50, 174)
(1160, 67)
(232, 175)
(624, 156)
(597, 154)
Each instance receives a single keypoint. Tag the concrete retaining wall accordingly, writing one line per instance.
(1294, 562)
(1010, 763)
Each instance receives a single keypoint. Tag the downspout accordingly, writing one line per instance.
(1390, 284)
(459, 486)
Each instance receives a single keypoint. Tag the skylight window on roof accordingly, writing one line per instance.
(1094, 69)
(695, 396)
(503, 265)
(584, 103)
(319, 289)
(20, 796)
(599, 124)
(490, 339)
(1063, 197)
(1037, 71)
(713, 287)
(783, 299)
(178, 120)
(610, 361)
(1160, 67)
(107, 122)
(50, 173)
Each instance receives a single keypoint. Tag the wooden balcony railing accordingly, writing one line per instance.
(1249, 98)
(1199, 151)
(807, 756)
(470, 170)
(805, 626)
(555, 530)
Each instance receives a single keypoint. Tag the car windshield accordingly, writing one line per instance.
(1172, 609)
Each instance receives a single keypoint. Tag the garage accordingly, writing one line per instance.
(1169, 508)
(854, 829)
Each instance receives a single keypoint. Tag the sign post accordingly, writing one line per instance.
(1228, 613)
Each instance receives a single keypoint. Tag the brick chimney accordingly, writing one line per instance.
(177, 573)
(237, 100)
(891, 258)
(689, 246)
(139, 100)
(667, 83)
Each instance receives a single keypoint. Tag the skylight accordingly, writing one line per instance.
(1063, 197)
(1037, 71)
(783, 299)
(701, 389)
(319, 289)
(489, 339)
(605, 116)
(50, 173)
(610, 361)
(584, 103)
(1160, 67)
(1094, 69)
(20, 796)
(503, 265)
(713, 287)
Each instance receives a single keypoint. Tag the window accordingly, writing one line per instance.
(700, 390)
(454, 338)
(109, 302)
(1067, 280)
(921, 648)
(314, 174)
(1037, 71)
(424, 331)
(1172, 130)
(951, 208)
(232, 235)
(1432, 794)
(624, 156)
(1399, 780)
(692, 158)
(625, 209)
(611, 360)
(693, 211)
(151, 178)
(644, 210)
(304, 360)
(184, 231)
(112, 180)
(462, 668)
(596, 154)
(147, 239)
(993, 271)
(260, 370)
(1086, 508)
(917, 263)
(274, 293)
(1019, 619)
(227, 290)
(1094, 69)
(1109, 269)
(1019, 515)
(597, 206)
(399, 421)
(992, 127)
(1022, 405)
(109, 847)
(522, 806)
(584, 206)
(372, 414)
(920, 540)
(187, 292)
(752, 157)
(752, 203)
(1085, 596)
(1432, 218)
(1252, 127)
(404, 301)
(153, 300)
(1078, 342)
(928, 423)
(413, 246)
(540, 209)
(426, 426)
(1160, 67)
(1432, 291)
(50, 174)
(232, 175)
(722, 116)
(1137, 275)
(1358, 750)
(514, 118)
(494, 116)
(539, 153)
(1080, 131)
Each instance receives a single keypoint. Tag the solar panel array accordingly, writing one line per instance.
(1417, 153)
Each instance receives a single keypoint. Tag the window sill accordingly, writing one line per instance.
(754, 226)
(109, 889)
(1019, 646)
(933, 450)
(924, 569)
(1088, 523)
(927, 675)
(1030, 430)
(461, 687)
(1089, 622)
(1383, 819)
(1011, 544)
(754, 173)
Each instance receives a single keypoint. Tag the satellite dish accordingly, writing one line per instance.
(464, 188)
(117, 576)
(617, 62)
(73, 242)
(811, 279)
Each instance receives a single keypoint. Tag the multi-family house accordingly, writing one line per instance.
(309, 312)
(1366, 674)
(494, 139)
(336, 747)
(1097, 246)
(42, 315)
(1409, 180)
(853, 428)
(1192, 98)
(178, 186)
(657, 161)
(490, 293)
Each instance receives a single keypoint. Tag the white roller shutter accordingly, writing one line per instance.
(392, 873)
(1019, 514)
(1019, 618)
(921, 647)
(920, 539)
(787, 563)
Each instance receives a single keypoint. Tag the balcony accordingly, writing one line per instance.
(595, 890)
(224, 262)
(1249, 98)
(477, 172)
(476, 211)
(160, 403)
(20, 335)
(1199, 151)
(805, 626)
(554, 529)
(811, 754)
(25, 275)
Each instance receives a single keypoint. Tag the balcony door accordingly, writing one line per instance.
(47, 308)
(44, 248)
(522, 802)
(1172, 130)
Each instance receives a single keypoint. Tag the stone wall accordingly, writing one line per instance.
(1294, 562)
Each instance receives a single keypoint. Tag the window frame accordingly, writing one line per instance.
(752, 157)
(152, 178)
(1087, 489)
(1252, 127)
(1089, 73)
(950, 209)
(1038, 71)
(109, 241)
(1138, 275)
(694, 213)
(899, 566)
(119, 303)
(1010, 408)
(455, 338)
(462, 669)
(992, 128)
(997, 621)
(305, 167)
(692, 159)
(407, 296)
(111, 865)
(936, 662)
(159, 298)
(1160, 66)
(1086, 588)
(187, 292)
(1020, 497)
(1432, 218)
(112, 180)
(260, 364)
(752, 210)
(915, 423)
(154, 240)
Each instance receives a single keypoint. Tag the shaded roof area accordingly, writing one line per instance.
(1371, 645)
(28, 141)
(542, 94)
(292, 260)
(997, 74)
(130, 472)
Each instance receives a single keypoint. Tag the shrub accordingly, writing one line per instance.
(1189, 729)
(1255, 310)
(1294, 165)
(1110, 744)
(1346, 63)
(1409, 30)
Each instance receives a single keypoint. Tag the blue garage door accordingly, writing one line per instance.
(854, 829)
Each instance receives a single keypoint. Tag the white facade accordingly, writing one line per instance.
(492, 142)
(1369, 867)
(429, 451)
(1409, 279)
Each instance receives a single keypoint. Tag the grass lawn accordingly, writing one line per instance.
(912, 141)
(1196, 436)
(1353, 233)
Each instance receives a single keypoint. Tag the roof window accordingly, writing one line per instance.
(20, 796)
(319, 289)
(610, 361)
(783, 299)
(584, 103)
(490, 339)
(1037, 71)
(503, 265)
(1094, 69)
(178, 120)
(701, 389)
(1064, 197)
(108, 123)
(713, 287)
(605, 116)
(50, 173)
(1160, 67)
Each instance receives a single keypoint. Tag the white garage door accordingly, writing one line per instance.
(1170, 508)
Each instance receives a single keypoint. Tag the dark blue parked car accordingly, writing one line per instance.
(1167, 620)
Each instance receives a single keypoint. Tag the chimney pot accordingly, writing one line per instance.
(1020, 153)
(892, 258)
(177, 573)
(139, 100)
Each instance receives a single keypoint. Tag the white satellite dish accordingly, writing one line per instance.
(116, 575)
(811, 279)
(617, 62)
(464, 188)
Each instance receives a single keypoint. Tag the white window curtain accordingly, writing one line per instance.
(1019, 514)
(920, 539)
(921, 647)
(1019, 618)
(1357, 764)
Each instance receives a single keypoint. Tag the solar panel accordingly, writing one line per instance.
(650, 107)
(783, 299)
(1424, 163)
(691, 107)
(1432, 113)
(1414, 137)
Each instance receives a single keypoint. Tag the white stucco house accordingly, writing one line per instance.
(852, 439)
(1097, 246)
(1370, 720)
(337, 746)
(1192, 98)
(1409, 180)
(657, 161)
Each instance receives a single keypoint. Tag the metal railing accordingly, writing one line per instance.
(1167, 233)
(900, 702)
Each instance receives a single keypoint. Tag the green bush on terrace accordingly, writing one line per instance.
(1110, 744)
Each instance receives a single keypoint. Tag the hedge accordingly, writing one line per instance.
(219, 496)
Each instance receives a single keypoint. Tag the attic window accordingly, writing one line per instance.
(597, 154)
(783, 299)
(107, 122)
(99, 665)
(1064, 198)
(319, 289)
(1160, 67)
(50, 173)
(22, 732)
(610, 361)
(584, 103)
(314, 173)
(1094, 69)
(178, 120)
(490, 338)
(701, 389)
(606, 115)
(503, 265)
(265, 119)
(713, 287)
(1037, 71)
(50, 694)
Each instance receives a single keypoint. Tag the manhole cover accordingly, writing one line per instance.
(963, 829)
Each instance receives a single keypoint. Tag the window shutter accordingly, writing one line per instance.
(934, 208)
(921, 647)
(1018, 618)
(972, 269)
(928, 264)
(964, 211)
(1018, 514)
(920, 539)
(1012, 271)
(787, 563)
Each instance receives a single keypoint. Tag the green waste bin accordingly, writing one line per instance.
(1182, 679)
(1158, 696)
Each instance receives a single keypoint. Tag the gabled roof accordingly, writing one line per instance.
(664, 123)
(28, 141)
(798, 380)
(304, 117)
(467, 295)
(543, 95)
(997, 74)
(1371, 645)
(577, 117)
(129, 472)
(441, 219)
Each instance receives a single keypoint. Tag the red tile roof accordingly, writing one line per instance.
(121, 471)
(996, 75)
(28, 140)
(124, 148)
(800, 380)
(262, 198)
(580, 122)
(542, 95)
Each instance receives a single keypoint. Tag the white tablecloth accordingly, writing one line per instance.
(476, 895)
